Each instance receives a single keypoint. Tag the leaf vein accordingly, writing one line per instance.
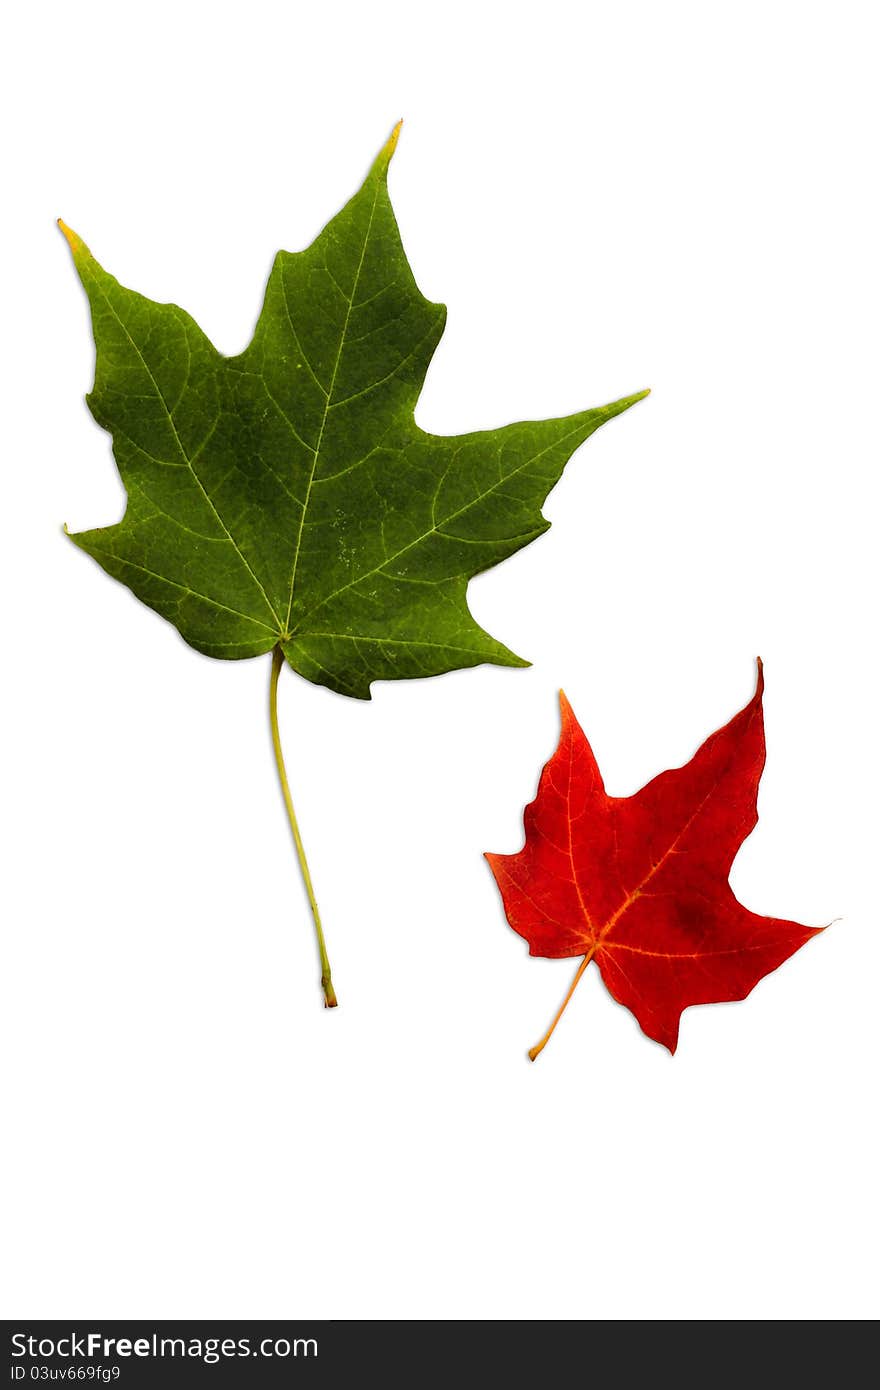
(328, 394)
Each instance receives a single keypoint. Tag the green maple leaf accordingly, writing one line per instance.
(286, 496)
(285, 500)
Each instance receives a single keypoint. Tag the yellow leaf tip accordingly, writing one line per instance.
(383, 159)
(75, 242)
(391, 143)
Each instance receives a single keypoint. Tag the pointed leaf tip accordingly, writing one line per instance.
(75, 242)
(608, 412)
(391, 142)
(383, 158)
(568, 721)
(617, 407)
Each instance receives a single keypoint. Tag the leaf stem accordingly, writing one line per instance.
(539, 1047)
(326, 982)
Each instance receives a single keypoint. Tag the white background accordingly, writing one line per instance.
(607, 197)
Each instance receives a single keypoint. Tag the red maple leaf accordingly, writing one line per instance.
(639, 884)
